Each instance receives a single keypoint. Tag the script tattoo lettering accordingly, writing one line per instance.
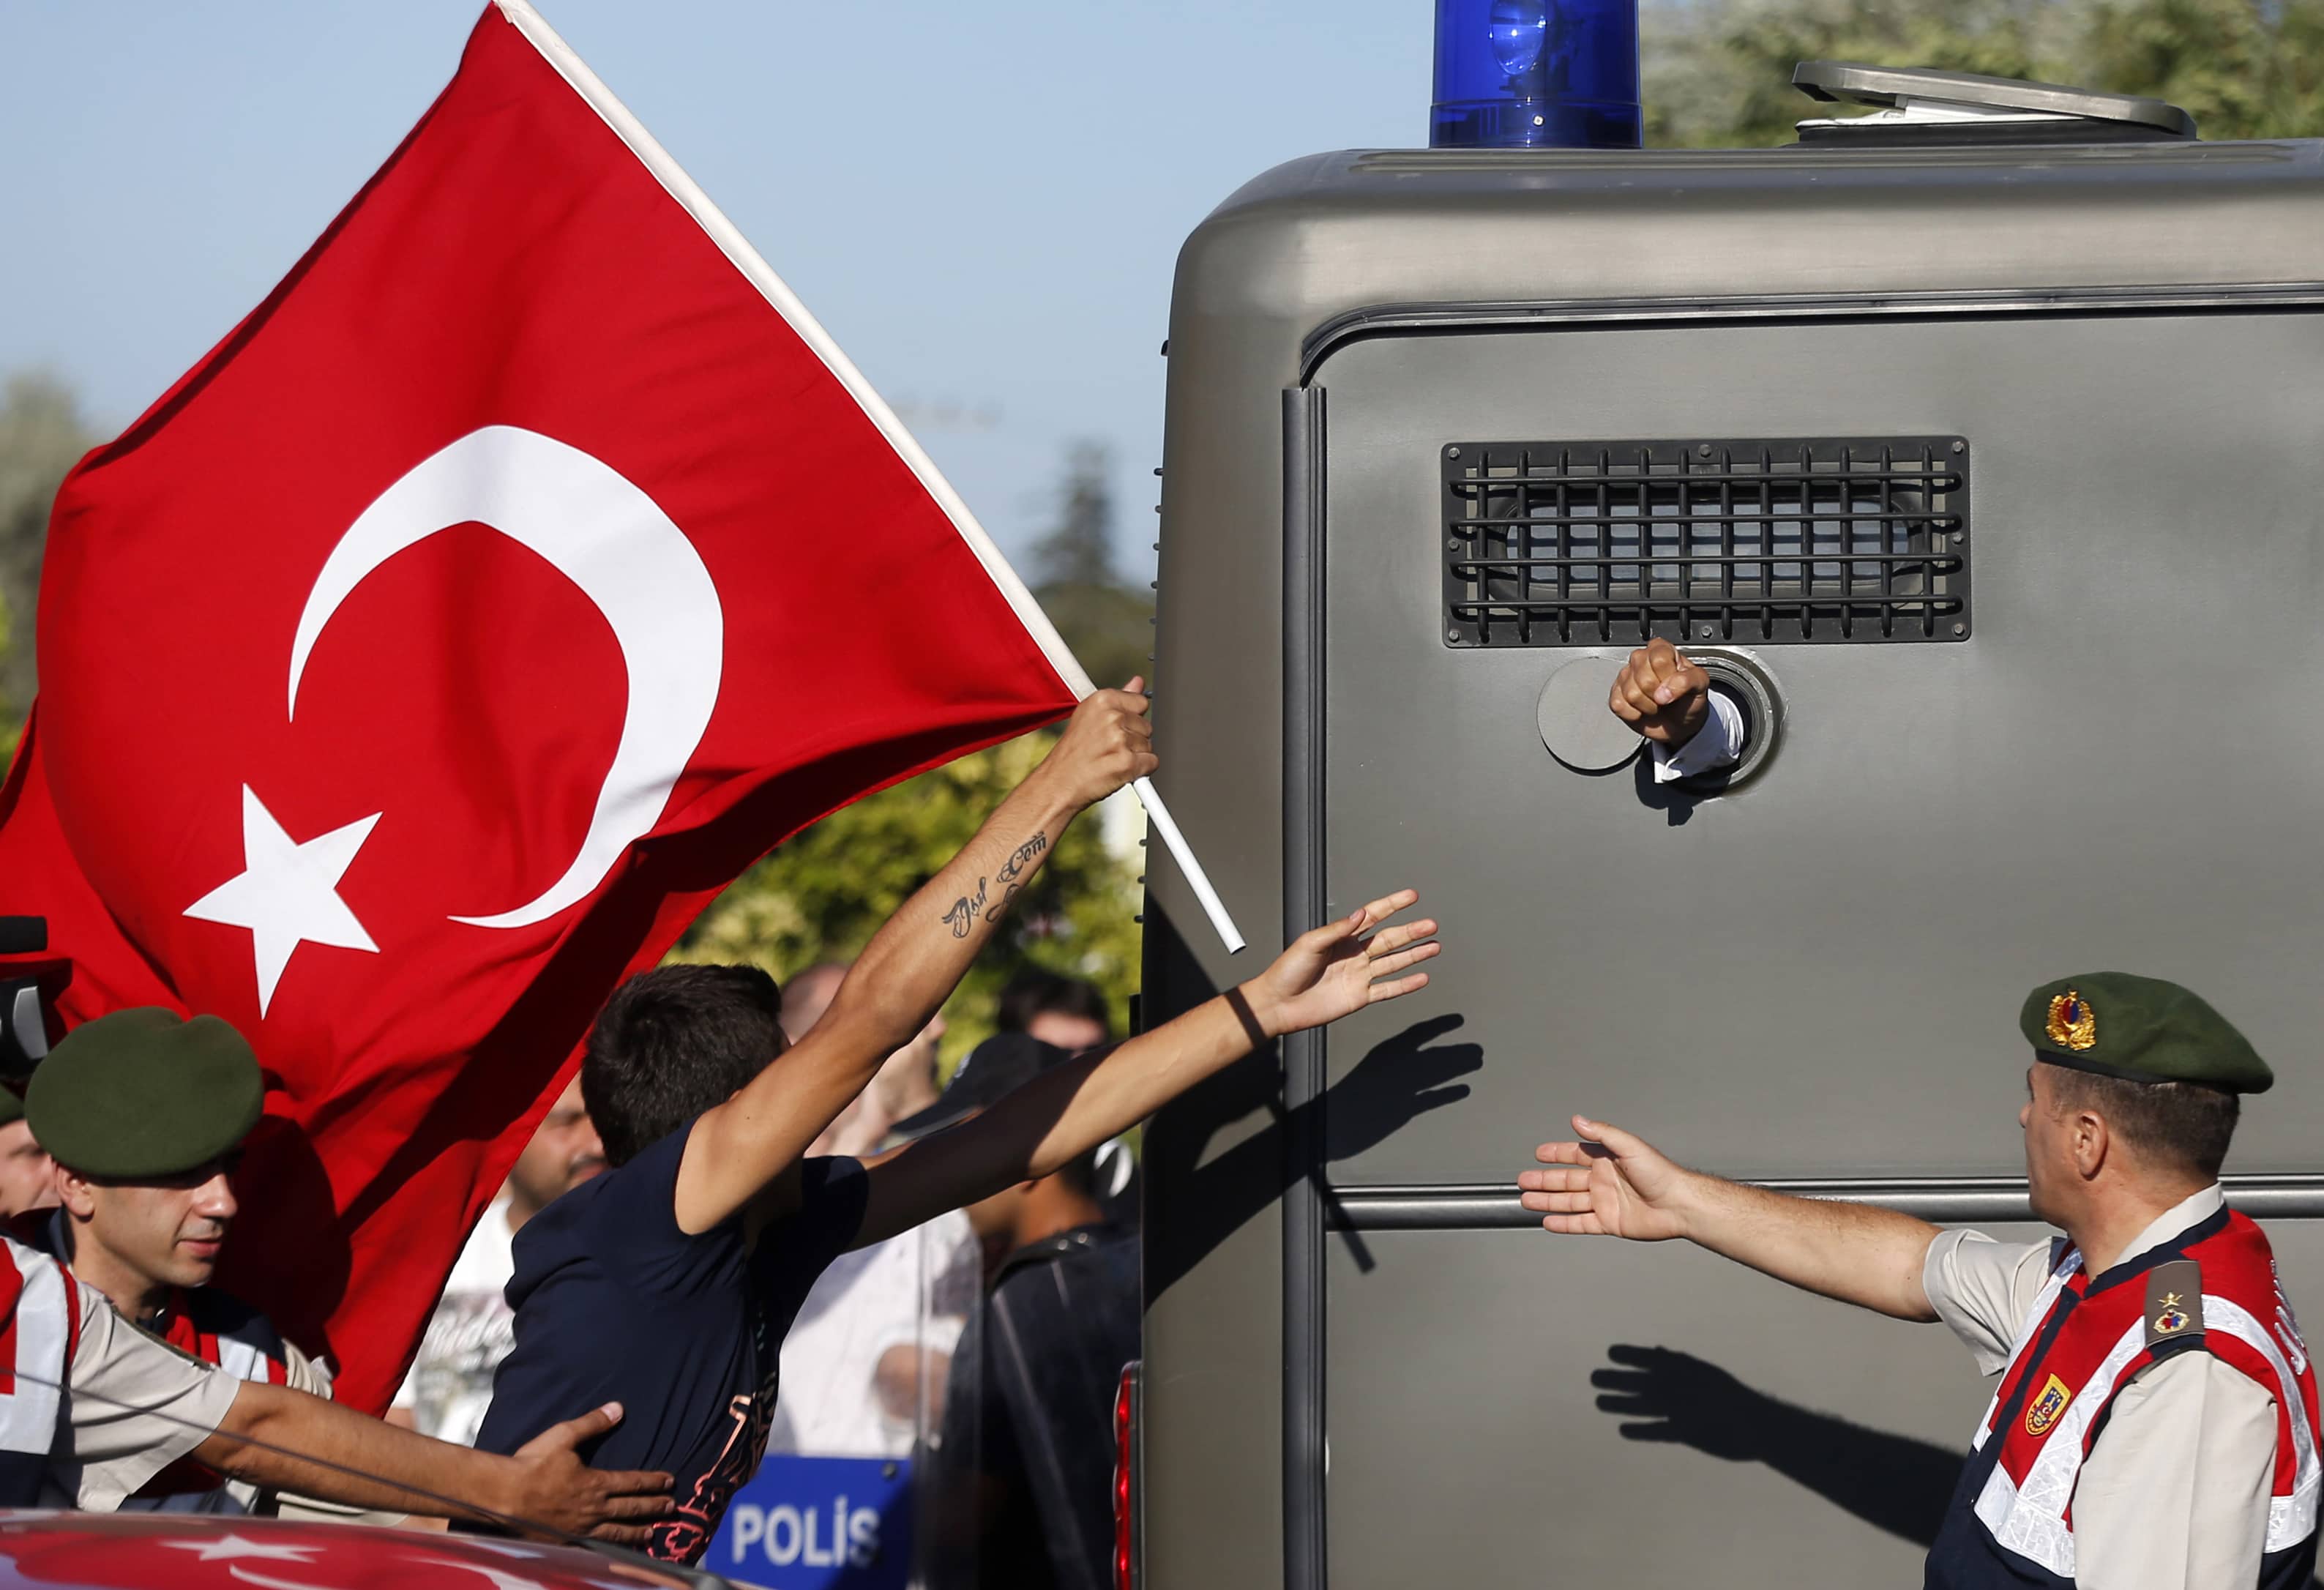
(1023, 856)
(962, 914)
(1013, 871)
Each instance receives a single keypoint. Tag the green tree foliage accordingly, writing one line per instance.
(1079, 549)
(1719, 76)
(824, 893)
(2245, 71)
(1107, 624)
(42, 436)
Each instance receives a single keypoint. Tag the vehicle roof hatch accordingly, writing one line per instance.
(1919, 106)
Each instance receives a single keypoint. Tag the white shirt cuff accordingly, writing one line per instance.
(1716, 744)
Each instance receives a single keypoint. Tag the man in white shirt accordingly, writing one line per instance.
(2154, 1427)
(473, 1328)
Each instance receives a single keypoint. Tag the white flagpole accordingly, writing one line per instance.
(761, 275)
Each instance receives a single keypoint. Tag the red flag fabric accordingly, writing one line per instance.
(524, 566)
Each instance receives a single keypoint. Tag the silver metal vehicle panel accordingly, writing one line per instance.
(1813, 975)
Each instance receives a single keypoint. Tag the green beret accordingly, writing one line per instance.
(2141, 1029)
(12, 1107)
(142, 1094)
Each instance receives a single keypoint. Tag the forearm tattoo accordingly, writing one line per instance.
(962, 914)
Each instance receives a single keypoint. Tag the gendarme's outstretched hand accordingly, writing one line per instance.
(1335, 970)
(1610, 1183)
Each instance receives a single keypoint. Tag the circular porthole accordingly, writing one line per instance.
(1583, 734)
(1751, 687)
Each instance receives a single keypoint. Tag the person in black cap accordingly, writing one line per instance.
(144, 1114)
(2155, 1425)
(1023, 1479)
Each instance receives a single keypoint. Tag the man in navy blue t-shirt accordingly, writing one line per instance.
(668, 1282)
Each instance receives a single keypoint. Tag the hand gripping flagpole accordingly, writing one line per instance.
(761, 275)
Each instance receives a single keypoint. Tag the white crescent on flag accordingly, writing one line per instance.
(610, 539)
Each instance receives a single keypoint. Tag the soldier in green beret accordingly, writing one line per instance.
(27, 1175)
(92, 1408)
(2154, 1425)
(144, 1114)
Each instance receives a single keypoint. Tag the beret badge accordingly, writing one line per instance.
(2073, 1024)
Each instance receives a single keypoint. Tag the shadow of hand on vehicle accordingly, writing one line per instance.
(1401, 1079)
(1892, 1483)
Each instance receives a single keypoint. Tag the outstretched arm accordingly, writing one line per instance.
(397, 1469)
(1612, 1183)
(1046, 1123)
(739, 1148)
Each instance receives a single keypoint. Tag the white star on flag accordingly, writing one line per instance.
(288, 894)
(232, 1546)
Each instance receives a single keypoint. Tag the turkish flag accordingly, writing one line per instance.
(522, 569)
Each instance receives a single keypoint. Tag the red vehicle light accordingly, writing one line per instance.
(1125, 1479)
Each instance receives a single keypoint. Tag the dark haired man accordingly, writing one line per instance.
(1074, 1016)
(675, 1275)
(2156, 1423)
(1063, 1012)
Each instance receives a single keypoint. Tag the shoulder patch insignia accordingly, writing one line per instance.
(2042, 1412)
(2073, 1024)
(2174, 1301)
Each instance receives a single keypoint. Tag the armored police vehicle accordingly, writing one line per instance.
(1973, 443)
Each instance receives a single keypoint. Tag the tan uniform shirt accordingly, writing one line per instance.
(2174, 1495)
(135, 1407)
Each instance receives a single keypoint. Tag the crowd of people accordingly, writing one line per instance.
(868, 1368)
(754, 1221)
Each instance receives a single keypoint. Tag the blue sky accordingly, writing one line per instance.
(982, 201)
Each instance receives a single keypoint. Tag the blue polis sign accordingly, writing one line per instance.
(819, 1523)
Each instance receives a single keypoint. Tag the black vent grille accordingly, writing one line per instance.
(1770, 541)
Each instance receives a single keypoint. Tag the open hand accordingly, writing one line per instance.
(556, 1488)
(1108, 741)
(1610, 1183)
(1661, 695)
(1330, 972)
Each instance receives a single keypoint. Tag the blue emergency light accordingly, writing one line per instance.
(1535, 74)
